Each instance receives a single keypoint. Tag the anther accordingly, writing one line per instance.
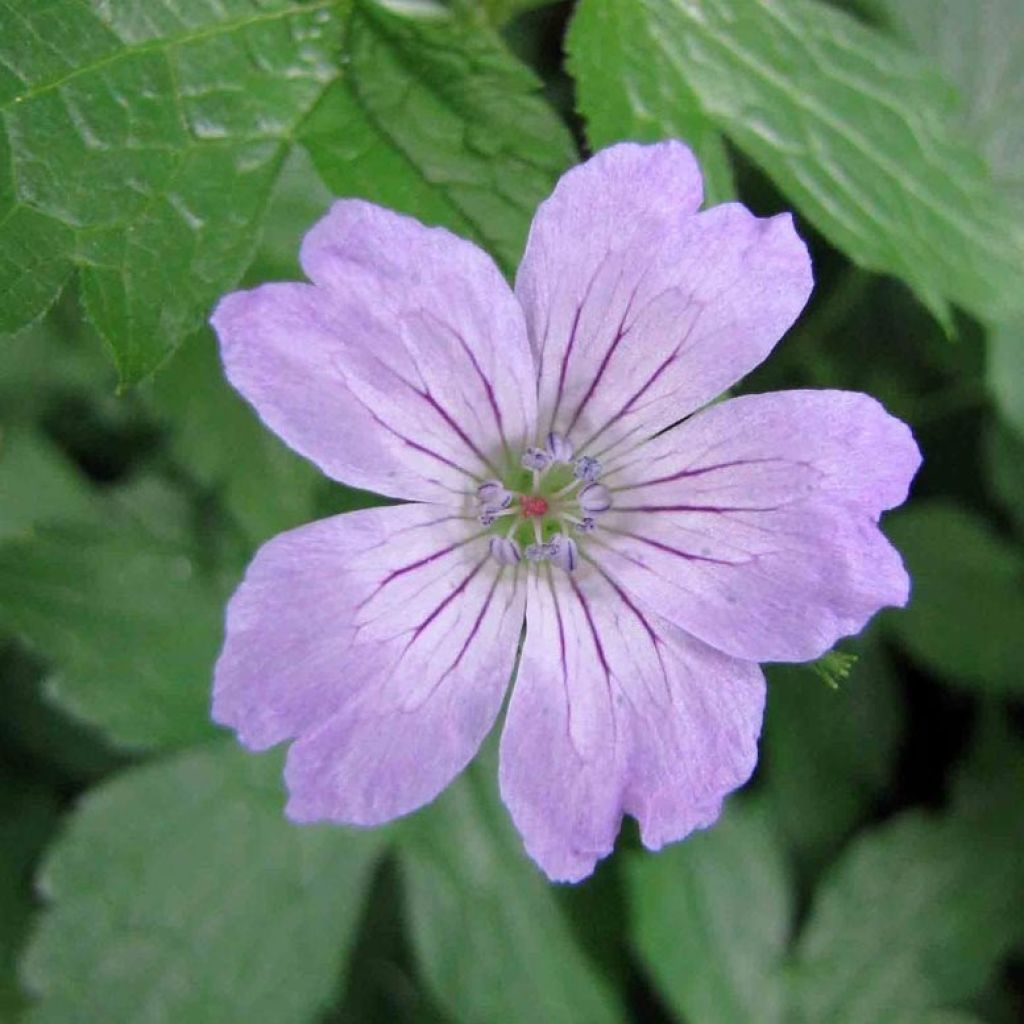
(504, 550)
(563, 552)
(586, 524)
(595, 498)
(537, 553)
(535, 458)
(492, 495)
(587, 468)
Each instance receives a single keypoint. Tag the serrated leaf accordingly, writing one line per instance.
(141, 141)
(826, 753)
(436, 119)
(485, 927)
(858, 134)
(967, 603)
(627, 87)
(129, 624)
(711, 920)
(181, 893)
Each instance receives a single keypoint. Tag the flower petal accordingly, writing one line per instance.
(385, 640)
(616, 711)
(753, 525)
(404, 370)
(641, 310)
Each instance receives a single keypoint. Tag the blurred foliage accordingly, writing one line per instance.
(157, 152)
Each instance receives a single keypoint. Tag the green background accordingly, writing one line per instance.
(156, 153)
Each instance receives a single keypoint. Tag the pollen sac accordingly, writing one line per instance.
(504, 550)
(559, 448)
(587, 468)
(587, 524)
(563, 552)
(535, 458)
(537, 553)
(493, 496)
(595, 498)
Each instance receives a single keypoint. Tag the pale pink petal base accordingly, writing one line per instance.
(615, 711)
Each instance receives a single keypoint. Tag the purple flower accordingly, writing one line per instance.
(528, 430)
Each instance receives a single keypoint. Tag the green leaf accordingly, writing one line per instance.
(630, 87)
(984, 58)
(858, 134)
(141, 141)
(129, 624)
(711, 920)
(181, 893)
(39, 484)
(916, 916)
(1005, 370)
(28, 814)
(826, 754)
(61, 750)
(436, 119)
(1004, 463)
(967, 600)
(497, 12)
(485, 926)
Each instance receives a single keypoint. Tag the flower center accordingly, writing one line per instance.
(545, 506)
(533, 505)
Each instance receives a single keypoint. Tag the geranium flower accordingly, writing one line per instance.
(562, 465)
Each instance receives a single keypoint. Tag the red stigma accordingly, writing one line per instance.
(532, 505)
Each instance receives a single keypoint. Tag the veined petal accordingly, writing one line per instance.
(384, 639)
(641, 310)
(404, 369)
(616, 711)
(753, 525)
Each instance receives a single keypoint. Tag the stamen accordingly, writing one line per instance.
(595, 498)
(535, 459)
(559, 448)
(487, 516)
(537, 553)
(563, 552)
(587, 468)
(504, 551)
(493, 495)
